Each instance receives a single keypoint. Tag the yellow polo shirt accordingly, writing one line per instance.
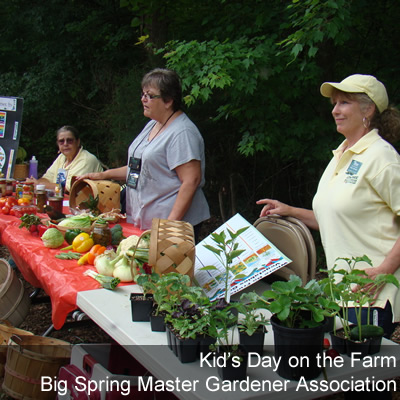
(84, 162)
(357, 206)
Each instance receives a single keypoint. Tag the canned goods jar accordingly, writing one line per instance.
(3, 187)
(41, 197)
(9, 187)
(56, 203)
(19, 189)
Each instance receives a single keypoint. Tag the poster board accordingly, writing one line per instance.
(10, 132)
(259, 259)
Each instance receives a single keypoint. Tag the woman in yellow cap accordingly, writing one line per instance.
(357, 204)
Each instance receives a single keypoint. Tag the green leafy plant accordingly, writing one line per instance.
(168, 291)
(91, 204)
(296, 306)
(226, 250)
(191, 319)
(250, 317)
(21, 155)
(223, 319)
(340, 286)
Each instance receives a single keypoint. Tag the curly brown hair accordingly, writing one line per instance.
(387, 122)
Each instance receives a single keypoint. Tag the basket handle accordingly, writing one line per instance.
(133, 264)
(17, 340)
(6, 322)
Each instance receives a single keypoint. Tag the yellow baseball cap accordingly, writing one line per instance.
(357, 83)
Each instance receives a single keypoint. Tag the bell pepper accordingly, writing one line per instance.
(71, 234)
(42, 229)
(81, 244)
(84, 259)
(95, 251)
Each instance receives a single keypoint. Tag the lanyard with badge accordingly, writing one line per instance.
(135, 164)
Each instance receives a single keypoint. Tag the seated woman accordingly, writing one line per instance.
(73, 160)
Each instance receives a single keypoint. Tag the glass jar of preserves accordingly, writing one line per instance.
(19, 189)
(9, 187)
(27, 191)
(41, 198)
(2, 187)
(101, 233)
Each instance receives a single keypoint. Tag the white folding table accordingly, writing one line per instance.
(111, 310)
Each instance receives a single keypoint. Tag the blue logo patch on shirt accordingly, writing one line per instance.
(354, 167)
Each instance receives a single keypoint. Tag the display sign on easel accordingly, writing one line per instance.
(10, 132)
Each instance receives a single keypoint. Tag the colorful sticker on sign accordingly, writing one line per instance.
(3, 116)
(2, 158)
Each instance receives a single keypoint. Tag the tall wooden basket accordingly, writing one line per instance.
(28, 359)
(172, 247)
(108, 192)
(6, 331)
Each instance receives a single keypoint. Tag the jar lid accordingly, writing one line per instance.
(40, 187)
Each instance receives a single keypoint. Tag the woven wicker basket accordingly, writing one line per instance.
(21, 171)
(172, 247)
(108, 192)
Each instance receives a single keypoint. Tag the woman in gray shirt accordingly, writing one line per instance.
(165, 171)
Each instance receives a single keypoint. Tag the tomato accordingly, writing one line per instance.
(33, 228)
(24, 201)
(3, 201)
(5, 210)
(12, 201)
(332, 353)
(42, 229)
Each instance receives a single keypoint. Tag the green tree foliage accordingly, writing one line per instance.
(251, 71)
(66, 58)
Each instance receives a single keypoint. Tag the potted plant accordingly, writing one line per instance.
(226, 250)
(142, 303)
(222, 327)
(298, 322)
(21, 167)
(340, 285)
(167, 291)
(251, 323)
(189, 322)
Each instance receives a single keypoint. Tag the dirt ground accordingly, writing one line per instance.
(38, 322)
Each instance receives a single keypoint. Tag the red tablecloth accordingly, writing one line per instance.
(60, 279)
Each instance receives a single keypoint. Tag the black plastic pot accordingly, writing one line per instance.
(297, 346)
(171, 339)
(204, 344)
(141, 306)
(230, 371)
(338, 343)
(375, 345)
(346, 346)
(357, 347)
(186, 349)
(253, 343)
(157, 322)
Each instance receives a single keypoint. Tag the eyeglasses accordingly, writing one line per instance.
(148, 96)
(66, 140)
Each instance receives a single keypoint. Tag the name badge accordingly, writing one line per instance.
(135, 165)
(354, 167)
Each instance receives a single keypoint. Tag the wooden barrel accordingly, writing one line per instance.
(29, 358)
(14, 300)
(6, 331)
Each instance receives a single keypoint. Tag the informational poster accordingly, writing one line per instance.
(10, 132)
(259, 259)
